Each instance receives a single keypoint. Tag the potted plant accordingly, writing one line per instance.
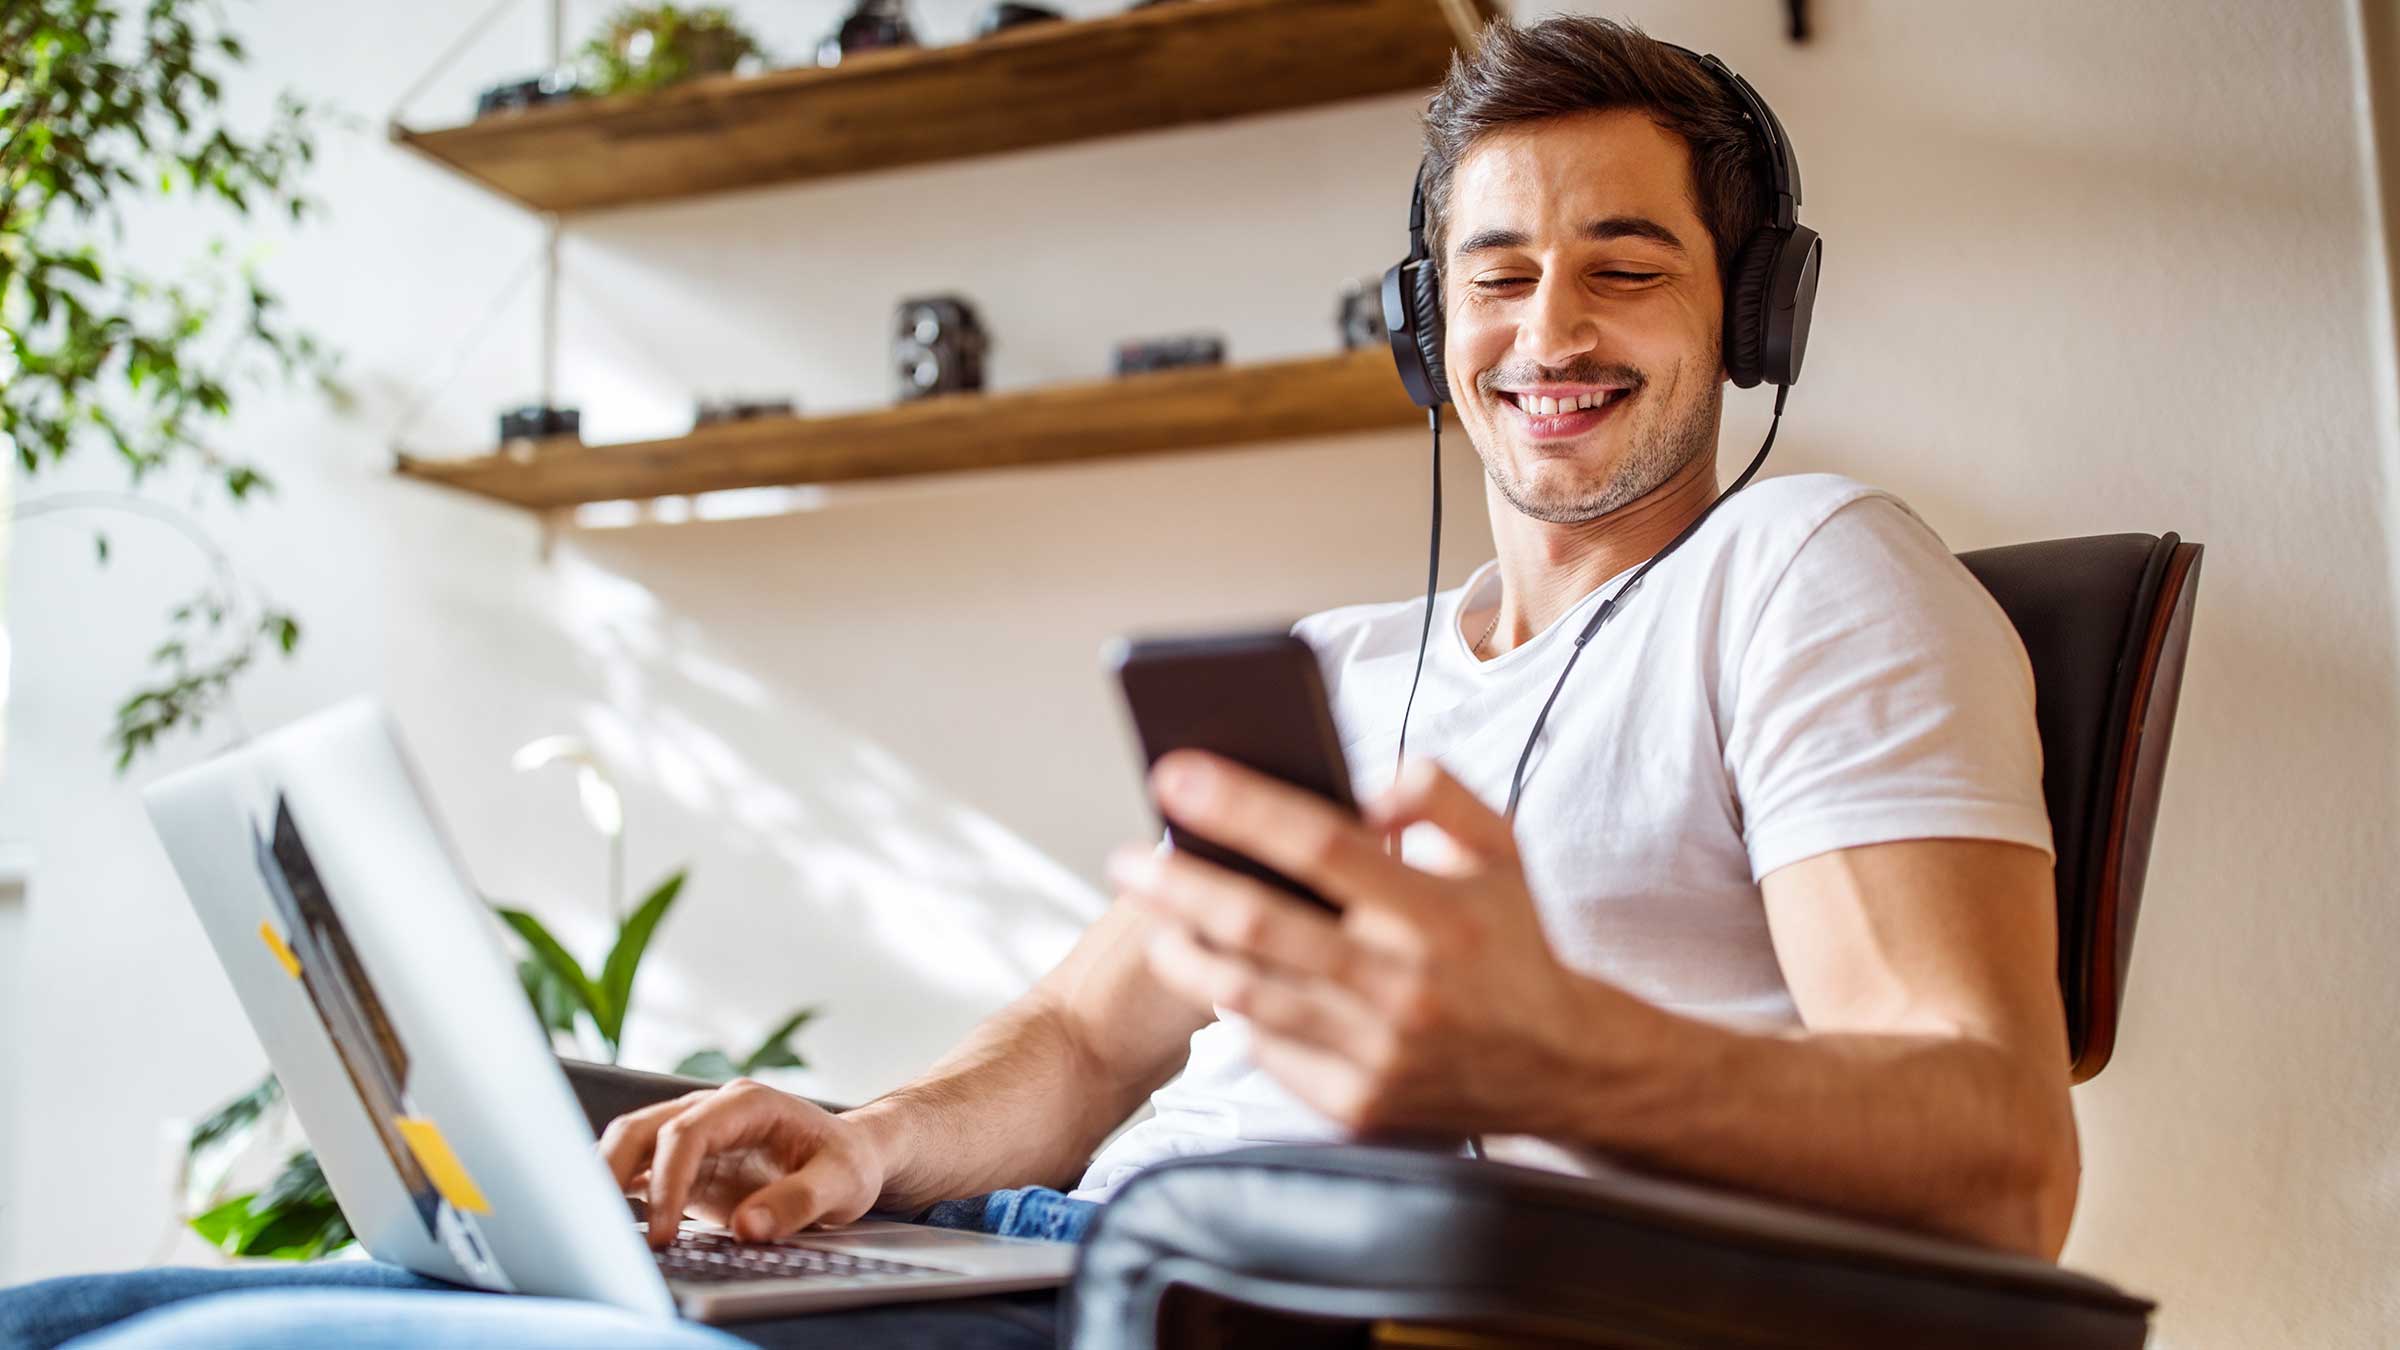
(646, 47)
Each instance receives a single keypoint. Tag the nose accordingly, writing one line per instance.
(1557, 325)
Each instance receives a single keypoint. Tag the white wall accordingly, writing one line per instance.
(13, 1031)
(2090, 268)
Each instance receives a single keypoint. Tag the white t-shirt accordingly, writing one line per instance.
(1812, 670)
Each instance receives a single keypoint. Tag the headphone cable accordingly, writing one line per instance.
(1433, 574)
(1516, 782)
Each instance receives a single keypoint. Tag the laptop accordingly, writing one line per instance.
(376, 979)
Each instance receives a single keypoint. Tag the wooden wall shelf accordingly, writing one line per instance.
(1046, 84)
(1101, 419)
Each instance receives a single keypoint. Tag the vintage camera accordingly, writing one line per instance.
(873, 26)
(1360, 316)
(537, 421)
(709, 412)
(1169, 353)
(548, 87)
(938, 346)
(1007, 14)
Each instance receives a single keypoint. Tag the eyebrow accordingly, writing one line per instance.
(1601, 230)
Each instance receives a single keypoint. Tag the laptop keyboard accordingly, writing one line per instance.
(714, 1258)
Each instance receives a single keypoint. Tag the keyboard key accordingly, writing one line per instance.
(715, 1258)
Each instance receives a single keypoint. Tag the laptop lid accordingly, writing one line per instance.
(373, 975)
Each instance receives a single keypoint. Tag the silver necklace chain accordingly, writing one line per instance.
(1489, 629)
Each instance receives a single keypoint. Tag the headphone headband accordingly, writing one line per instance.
(1783, 163)
(1416, 216)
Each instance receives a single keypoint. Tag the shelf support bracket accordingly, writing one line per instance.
(1466, 23)
(550, 278)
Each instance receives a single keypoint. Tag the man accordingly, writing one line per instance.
(1775, 909)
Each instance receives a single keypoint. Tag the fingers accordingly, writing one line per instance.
(1233, 912)
(1425, 792)
(727, 1118)
(1306, 1010)
(1289, 829)
(828, 1188)
(626, 1143)
(1326, 1080)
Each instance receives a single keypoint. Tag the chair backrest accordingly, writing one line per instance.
(2107, 621)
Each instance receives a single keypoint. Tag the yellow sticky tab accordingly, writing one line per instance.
(282, 950)
(441, 1165)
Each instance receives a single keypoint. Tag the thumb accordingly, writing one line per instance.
(828, 1188)
(1425, 792)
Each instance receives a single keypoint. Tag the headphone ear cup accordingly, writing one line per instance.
(1746, 308)
(1425, 305)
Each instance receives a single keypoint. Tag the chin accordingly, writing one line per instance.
(1560, 499)
(1565, 471)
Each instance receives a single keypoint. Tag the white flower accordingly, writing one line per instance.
(603, 809)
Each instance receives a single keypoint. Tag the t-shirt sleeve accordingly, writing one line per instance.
(1882, 694)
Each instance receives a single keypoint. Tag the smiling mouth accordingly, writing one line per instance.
(1564, 418)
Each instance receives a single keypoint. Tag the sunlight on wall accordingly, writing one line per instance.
(729, 504)
(922, 887)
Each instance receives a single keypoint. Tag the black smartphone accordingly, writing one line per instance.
(1257, 699)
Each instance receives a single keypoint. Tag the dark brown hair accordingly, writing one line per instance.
(1572, 64)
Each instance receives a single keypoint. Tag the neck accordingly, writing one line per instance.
(1546, 568)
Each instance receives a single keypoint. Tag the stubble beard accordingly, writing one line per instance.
(1660, 444)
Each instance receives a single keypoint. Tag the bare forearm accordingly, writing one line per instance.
(1020, 1101)
(1947, 1134)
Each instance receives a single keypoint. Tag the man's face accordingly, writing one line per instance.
(1579, 271)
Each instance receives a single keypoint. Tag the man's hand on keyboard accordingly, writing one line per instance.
(761, 1162)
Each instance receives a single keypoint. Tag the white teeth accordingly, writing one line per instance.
(1535, 405)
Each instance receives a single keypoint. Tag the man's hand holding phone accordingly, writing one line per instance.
(1430, 1002)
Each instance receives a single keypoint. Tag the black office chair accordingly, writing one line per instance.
(1320, 1246)
(1292, 1246)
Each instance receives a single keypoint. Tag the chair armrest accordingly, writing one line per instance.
(606, 1092)
(1372, 1234)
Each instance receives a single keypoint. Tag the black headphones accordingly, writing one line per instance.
(1767, 304)
(1772, 287)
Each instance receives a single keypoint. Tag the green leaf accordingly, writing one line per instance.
(337, 1233)
(563, 968)
(295, 1232)
(295, 1218)
(775, 1052)
(713, 1065)
(552, 1001)
(236, 1117)
(227, 1225)
(100, 547)
(301, 1182)
(625, 958)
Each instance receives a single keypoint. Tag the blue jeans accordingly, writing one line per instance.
(1032, 1212)
(366, 1305)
